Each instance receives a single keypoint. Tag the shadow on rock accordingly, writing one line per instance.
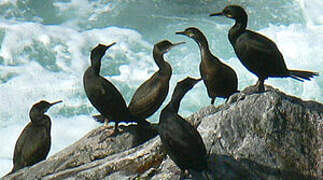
(140, 134)
(227, 168)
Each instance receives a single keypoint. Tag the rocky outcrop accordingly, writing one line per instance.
(97, 155)
(266, 135)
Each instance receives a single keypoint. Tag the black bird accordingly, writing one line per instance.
(103, 95)
(182, 141)
(256, 52)
(152, 93)
(34, 142)
(220, 79)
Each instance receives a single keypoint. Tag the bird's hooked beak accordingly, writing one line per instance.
(181, 32)
(229, 15)
(108, 46)
(217, 14)
(190, 79)
(188, 83)
(179, 43)
(185, 33)
(56, 102)
(196, 80)
(49, 105)
(175, 44)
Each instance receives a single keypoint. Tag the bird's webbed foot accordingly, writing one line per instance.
(115, 132)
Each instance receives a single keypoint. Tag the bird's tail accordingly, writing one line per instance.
(143, 122)
(302, 75)
(99, 118)
(139, 120)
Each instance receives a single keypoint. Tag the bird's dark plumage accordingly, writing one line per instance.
(34, 142)
(152, 93)
(256, 52)
(103, 95)
(182, 141)
(219, 79)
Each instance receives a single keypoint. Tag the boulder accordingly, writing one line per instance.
(267, 135)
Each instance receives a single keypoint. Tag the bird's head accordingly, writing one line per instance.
(191, 32)
(231, 11)
(187, 83)
(38, 109)
(164, 46)
(98, 52)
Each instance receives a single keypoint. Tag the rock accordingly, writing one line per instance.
(266, 135)
(92, 151)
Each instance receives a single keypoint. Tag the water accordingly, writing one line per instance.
(45, 49)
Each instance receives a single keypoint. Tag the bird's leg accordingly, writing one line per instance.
(183, 175)
(260, 85)
(101, 119)
(212, 101)
(115, 131)
(113, 134)
(106, 122)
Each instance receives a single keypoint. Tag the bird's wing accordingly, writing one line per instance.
(32, 146)
(192, 133)
(252, 41)
(18, 158)
(109, 88)
(252, 44)
(111, 98)
(183, 140)
(150, 94)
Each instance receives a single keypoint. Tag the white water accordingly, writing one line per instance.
(45, 50)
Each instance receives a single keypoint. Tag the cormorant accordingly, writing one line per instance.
(256, 52)
(220, 79)
(34, 142)
(103, 95)
(182, 141)
(152, 93)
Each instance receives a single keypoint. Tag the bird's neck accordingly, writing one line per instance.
(203, 44)
(164, 67)
(39, 119)
(204, 49)
(175, 101)
(238, 28)
(95, 66)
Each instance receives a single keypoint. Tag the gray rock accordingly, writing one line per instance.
(92, 152)
(266, 135)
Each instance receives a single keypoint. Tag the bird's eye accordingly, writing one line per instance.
(227, 13)
(190, 33)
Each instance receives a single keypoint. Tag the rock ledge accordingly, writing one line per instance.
(266, 135)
